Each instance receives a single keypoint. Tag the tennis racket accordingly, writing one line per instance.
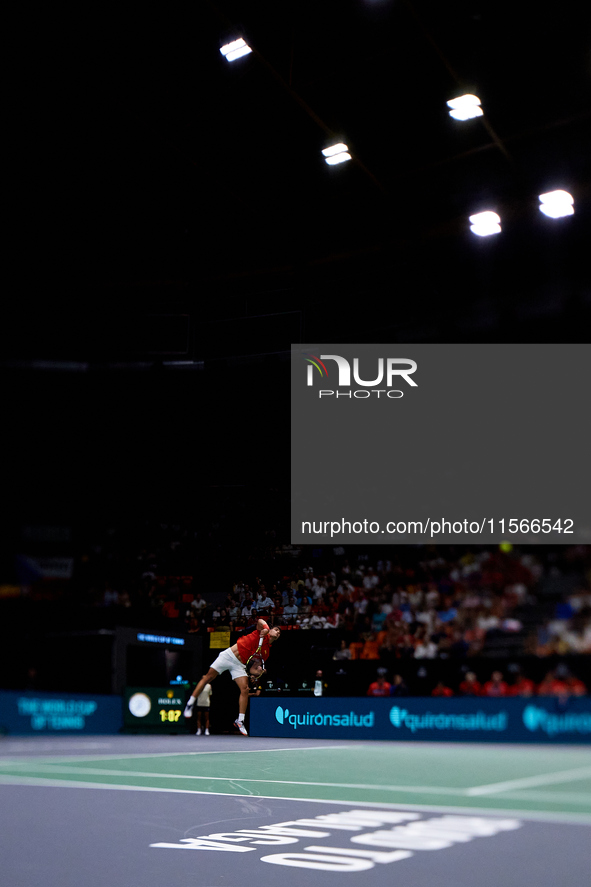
(255, 660)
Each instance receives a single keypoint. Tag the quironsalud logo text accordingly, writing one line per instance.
(478, 720)
(554, 723)
(308, 719)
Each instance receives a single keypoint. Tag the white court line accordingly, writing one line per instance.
(580, 798)
(48, 746)
(568, 797)
(171, 754)
(533, 815)
(55, 766)
(99, 771)
(530, 781)
(59, 767)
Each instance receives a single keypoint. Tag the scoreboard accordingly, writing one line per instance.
(155, 709)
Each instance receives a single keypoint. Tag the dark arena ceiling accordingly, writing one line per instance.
(175, 209)
(162, 178)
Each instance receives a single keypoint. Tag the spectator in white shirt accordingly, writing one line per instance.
(425, 649)
(264, 603)
(371, 579)
(198, 604)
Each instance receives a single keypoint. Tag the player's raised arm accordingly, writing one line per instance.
(262, 627)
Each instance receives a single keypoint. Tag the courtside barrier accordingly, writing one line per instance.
(535, 719)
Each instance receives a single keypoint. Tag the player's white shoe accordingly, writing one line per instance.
(241, 727)
(198, 733)
(189, 707)
(206, 732)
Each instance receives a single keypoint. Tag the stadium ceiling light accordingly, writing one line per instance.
(556, 204)
(465, 107)
(336, 154)
(485, 223)
(235, 50)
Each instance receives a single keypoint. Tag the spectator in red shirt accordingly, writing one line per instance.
(521, 686)
(170, 609)
(496, 686)
(561, 683)
(442, 690)
(576, 687)
(381, 687)
(553, 686)
(470, 686)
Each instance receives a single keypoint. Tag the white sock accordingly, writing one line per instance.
(241, 719)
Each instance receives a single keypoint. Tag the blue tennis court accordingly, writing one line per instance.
(117, 810)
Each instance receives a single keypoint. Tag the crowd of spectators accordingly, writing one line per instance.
(435, 602)
(557, 682)
(568, 630)
(435, 608)
(411, 603)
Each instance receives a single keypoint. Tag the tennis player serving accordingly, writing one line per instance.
(245, 661)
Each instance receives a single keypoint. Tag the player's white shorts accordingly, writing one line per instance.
(227, 661)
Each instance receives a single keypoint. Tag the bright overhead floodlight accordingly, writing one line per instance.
(556, 204)
(465, 107)
(336, 154)
(338, 158)
(485, 223)
(235, 50)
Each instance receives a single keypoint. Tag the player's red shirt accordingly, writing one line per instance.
(248, 644)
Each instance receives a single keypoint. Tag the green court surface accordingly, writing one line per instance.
(533, 780)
